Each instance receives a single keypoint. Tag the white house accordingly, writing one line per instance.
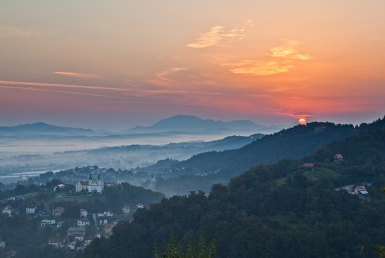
(83, 213)
(8, 210)
(46, 222)
(71, 245)
(83, 222)
(30, 210)
(103, 221)
(106, 213)
(126, 209)
(58, 211)
(2, 244)
(140, 206)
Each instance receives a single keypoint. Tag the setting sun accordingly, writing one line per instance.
(302, 121)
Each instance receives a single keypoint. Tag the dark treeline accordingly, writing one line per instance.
(273, 210)
(208, 168)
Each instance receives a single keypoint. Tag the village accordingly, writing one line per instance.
(70, 229)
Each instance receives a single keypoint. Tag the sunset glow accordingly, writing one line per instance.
(65, 63)
(302, 121)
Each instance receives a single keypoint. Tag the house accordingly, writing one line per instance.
(308, 165)
(361, 190)
(53, 241)
(8, 210)
(103, 220)
(108, 228)
(319, 128)
(30, 210)
(72, 231)
(107, 213)
(58, 211)
(46, 222)
(79, 237)
(109, 183)
(126, 209)
(60, 224)
(2, 244)
(83, 213)
(71, 245)
(60, 186)
(83, 222)
(338, 157)
(140, 206)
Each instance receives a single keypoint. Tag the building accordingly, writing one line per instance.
(30, 210)
(308, 165)
(71, 245)
(126, 209)
(107, 213)
(90, 185)
(53, 241)
(361, 190)
(108, 228)
(103, 220)
(8, 210)
(59, 224)
(2, 244)
(58, 211)
(83, 222)
(46, 222)
(72, 231)
(83, 213)
(338, 157)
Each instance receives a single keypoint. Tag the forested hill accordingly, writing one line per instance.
(274, 210)
(295, 142)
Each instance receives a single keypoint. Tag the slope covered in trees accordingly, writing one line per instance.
(273, 210)
(219, 167)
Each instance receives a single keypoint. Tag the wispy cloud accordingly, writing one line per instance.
(163, 76)
(60, 91)
(282, 58)
(215, 35)
(78, 75)
(289, 51)
(15, 32)
(260, 68)
(57, 85)
(286, 87)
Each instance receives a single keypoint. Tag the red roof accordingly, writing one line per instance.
(308, 165)
(338, 156)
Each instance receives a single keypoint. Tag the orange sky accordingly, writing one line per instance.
(118, 64)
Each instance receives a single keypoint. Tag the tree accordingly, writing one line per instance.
(173, 250)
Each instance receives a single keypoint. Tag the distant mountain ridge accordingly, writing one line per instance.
(41, 128)
(188, 123)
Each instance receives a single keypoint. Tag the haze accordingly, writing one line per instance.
(118, 64)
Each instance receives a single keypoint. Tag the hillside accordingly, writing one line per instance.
(205, 169)
(187, 123)
(41, 129)
(273, 210)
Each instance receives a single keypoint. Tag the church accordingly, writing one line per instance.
(90, 185)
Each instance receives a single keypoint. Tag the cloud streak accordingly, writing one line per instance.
(214, 36)
(14, 32)
(78, 75)
(72, 86)
(282, 58)
(162, 77)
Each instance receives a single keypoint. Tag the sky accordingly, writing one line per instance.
(117, 64)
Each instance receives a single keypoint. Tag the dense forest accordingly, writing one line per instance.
(205, 169)
(273, 210)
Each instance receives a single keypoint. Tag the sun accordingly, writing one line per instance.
(302, 121)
